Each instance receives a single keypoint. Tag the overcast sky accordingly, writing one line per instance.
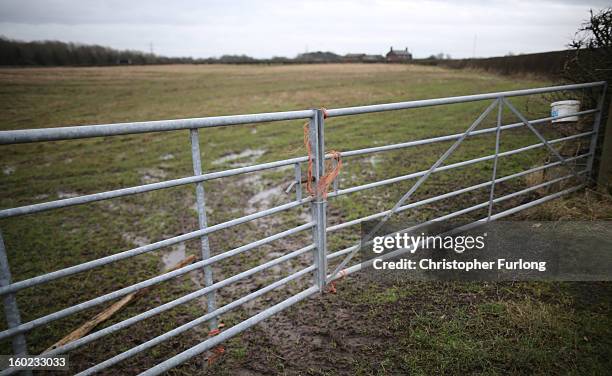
(205, 28)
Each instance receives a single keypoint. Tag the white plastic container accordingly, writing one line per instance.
(563, 108)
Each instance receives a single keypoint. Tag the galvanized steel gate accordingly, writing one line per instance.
(17, 330)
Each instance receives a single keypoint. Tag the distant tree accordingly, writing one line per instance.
(279, 60)
(54, 53)
(591, 60)
(319, 57)
(439, 56)
(236, 59)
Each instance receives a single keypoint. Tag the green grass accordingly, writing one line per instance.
(34, 98)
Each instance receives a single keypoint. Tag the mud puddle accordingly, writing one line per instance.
(265, 198)
(66, 194)
(246, 157)
(173, 255)
(8, 170)
(152, 175)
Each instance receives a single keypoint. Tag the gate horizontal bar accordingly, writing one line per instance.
(453, 193)
(200, 320)
(359, 266)
(450, 100)
(451, 166)
(13, 287)
(334, 255)
(103, 130)
(34, 208)
(164, 307)
(453, 137)
(181, 271)
(80, 200)
(227, 334)
(25, 327)
(152, 342)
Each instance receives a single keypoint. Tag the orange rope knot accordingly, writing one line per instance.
(218, 350)
(214, 332)
(331, 288)
(217, 330)
(326, 180)
(332, 285)
(324, 112)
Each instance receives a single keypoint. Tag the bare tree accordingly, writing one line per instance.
(591, 58)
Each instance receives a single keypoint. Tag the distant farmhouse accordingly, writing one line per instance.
(393, 56)
(397, 56)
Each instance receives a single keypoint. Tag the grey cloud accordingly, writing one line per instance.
(279, 27)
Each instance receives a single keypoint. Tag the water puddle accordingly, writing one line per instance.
(152, 175)
(134, 239)
(264, 198)
(246, 157)
(173, 256)
(306, 216)
(61, 194)
(375, 160)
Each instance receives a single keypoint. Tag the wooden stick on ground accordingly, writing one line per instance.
(111, 310)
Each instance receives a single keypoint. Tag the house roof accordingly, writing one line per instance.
(400, 52)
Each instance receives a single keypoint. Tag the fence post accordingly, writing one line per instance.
(11, 310)
(202, 221)
(596, 126)
(500, 109)
(317, 144)
(604, 175)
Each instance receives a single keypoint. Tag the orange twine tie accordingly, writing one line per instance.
(326, 180)
(218, 350)
(332, 285)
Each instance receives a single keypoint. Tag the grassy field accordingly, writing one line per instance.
(424, 328)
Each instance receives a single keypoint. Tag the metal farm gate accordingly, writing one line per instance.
(322, 275)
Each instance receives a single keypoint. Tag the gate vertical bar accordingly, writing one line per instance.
(202, 221)
(596, 126)
(11, 310)
(317, 145)
(298, 181)
(335, 182)
(500, 109)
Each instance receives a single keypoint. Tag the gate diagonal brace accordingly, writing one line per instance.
(408, 194)
(552, 150)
